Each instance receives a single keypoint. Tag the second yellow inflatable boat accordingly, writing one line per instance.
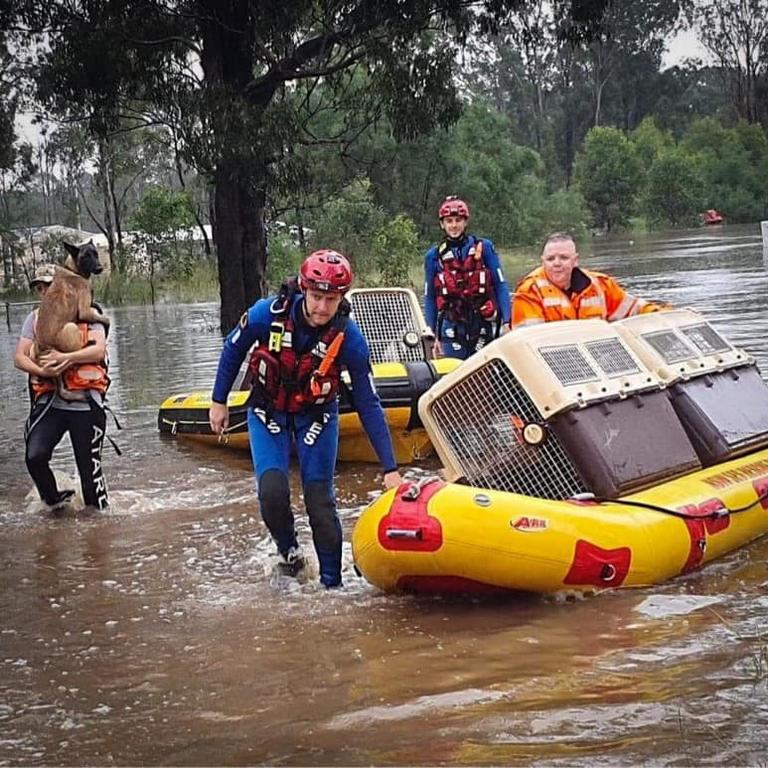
(399, 386)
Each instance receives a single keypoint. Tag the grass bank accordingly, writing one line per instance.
(202, 282)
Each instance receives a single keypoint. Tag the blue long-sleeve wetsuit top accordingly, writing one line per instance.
(490, 259)
(354, 355)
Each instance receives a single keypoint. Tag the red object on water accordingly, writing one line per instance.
(711, 217)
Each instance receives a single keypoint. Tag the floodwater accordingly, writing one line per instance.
(159, 633)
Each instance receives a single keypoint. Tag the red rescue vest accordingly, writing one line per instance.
(463, 287)
(285, 381)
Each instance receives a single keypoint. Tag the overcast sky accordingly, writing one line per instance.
(683, 46)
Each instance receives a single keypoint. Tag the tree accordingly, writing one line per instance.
(630, 34)
(608, 174)
(735, 32)
(16, 160)
(159, 217)
(394, 246)
(239, 119)
(649, 141)
(734, 167)
(673, 194)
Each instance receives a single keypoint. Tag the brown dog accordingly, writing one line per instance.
(68, 301)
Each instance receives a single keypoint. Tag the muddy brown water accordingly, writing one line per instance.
(160, 634)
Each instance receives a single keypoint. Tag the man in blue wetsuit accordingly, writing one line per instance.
(301, 339)
(467, 301)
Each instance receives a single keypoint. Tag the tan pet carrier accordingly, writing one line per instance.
(716, 389)
(554, 411)
(393, 324)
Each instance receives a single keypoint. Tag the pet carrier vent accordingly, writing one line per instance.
(670, 347)
(568, 364)
(679, 344)
(392, 322)
(612, 357)
(483, 419)
(706, 339)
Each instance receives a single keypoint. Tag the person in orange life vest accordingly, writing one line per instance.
(67, 391)
(561, 290)
(301, 339)
(466, 298)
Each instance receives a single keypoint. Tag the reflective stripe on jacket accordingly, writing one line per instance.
(537, 300)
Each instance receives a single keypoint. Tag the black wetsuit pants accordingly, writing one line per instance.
(45, 428)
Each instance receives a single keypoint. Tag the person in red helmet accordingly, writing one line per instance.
(467, 300)
(300, 340)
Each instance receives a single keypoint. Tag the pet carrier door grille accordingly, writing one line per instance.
(670, 346)
(612, 357)
(385, 317)
(482, 420)
(568, 364)
(706, 339)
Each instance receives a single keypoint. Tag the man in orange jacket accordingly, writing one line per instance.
(561, 290)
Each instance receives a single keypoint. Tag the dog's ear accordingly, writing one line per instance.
(72, 250)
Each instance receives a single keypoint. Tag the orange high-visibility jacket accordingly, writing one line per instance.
(537, 300)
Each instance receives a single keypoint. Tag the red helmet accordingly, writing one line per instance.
(453, 206)
(325, 270)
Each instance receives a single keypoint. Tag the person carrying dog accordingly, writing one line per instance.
(301, 340)
(67, 391)
(466, 298)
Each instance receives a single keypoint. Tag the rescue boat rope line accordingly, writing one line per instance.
(415, 487)
(174, 425)
(714, 515)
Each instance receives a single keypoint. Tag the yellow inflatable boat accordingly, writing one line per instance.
(579, 457)
(399, 386)
(400, 342)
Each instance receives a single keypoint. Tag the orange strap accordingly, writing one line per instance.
(327, 362)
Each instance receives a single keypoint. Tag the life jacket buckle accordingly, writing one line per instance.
(276, 331)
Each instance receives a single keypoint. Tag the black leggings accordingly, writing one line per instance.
(45, 428)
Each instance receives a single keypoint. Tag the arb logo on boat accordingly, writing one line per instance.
(529, 524)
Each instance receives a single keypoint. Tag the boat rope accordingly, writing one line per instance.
(174, 425)
(715, 514)
(414, 489)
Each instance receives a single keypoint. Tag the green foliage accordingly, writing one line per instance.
(673, 189)
(162, 211)
(284, 259)
(349, 223)
(504, 183)
(562, 211)
(200, 283)
(160, 217)
(608, 174)
(734, 168)
(394, 249)
(649, 140)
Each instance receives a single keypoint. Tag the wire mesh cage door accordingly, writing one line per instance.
(392, 322)
(484, 421)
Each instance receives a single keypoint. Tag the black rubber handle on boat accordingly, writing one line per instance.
(403, 533)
